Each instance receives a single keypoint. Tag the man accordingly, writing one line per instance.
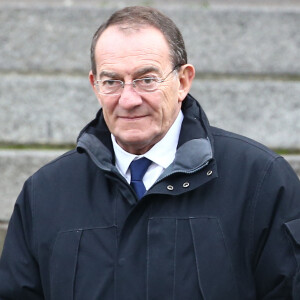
(216, 215)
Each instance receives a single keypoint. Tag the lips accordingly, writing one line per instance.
(132, 117)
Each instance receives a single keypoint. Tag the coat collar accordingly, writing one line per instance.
(195, 146)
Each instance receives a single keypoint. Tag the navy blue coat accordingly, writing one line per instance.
(222, 222)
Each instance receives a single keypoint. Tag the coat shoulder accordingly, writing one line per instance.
(225, 141)
(64, 165)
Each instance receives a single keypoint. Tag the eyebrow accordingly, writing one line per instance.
(146, 70)
(138, 73)
(108, 74)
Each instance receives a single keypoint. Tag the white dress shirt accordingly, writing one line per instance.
(161, 154)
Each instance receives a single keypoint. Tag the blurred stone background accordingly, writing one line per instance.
(246, 54)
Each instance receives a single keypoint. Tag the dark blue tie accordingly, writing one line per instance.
(138, 169)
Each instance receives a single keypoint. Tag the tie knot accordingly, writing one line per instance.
(139, 167)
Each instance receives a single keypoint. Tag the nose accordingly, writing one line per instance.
(129, 98)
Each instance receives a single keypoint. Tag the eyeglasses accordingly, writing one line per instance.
(141, 85)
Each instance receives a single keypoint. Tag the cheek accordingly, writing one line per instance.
(170, 105)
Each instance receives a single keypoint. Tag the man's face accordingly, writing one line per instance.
(138, 121)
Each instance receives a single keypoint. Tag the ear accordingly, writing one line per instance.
(92, 82)
(185, 76)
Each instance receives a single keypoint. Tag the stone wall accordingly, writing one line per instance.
(246, 55)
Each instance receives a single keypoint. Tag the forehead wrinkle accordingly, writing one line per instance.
(137, 73)
(113, 52)
(136, 54)
(113, 68)
(132, 60)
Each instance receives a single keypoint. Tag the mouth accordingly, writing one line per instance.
(132, 118)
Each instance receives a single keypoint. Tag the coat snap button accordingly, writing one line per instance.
(186, 184)
(209, 172)
(170, 187)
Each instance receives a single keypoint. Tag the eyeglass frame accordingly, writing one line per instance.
(133, 83)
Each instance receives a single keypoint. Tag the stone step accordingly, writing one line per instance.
(18, 165)
(124, 3)
(53, 109)
(224, 39)
(3, 229)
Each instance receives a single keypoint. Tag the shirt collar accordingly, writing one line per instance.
(162, 153)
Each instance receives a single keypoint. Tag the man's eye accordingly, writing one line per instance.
(110, 83)
(147, 80)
